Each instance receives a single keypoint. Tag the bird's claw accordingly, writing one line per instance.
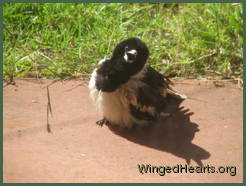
(102, 121)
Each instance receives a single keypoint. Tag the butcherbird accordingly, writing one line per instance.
(126, 90)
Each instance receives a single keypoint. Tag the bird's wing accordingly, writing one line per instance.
(160, 82)
(155, 80)
(143, 102)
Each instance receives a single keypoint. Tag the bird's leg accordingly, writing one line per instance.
(102, 121)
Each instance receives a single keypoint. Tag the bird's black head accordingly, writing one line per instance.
(128, 59)
(133, 53)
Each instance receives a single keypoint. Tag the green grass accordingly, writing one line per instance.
(65, 40)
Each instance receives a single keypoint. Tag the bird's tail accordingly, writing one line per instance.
(171, 91)
(176, 94)
(181, 96)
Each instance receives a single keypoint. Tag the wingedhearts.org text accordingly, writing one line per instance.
(162, 170)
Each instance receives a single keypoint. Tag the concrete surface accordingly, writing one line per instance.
(206, 130)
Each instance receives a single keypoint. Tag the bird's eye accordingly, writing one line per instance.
(126, 48)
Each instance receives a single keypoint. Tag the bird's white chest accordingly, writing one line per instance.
(111, 105)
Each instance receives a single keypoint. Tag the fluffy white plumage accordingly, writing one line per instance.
(127, 91)
(114, 105)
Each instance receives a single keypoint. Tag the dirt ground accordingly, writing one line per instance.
(207, 131)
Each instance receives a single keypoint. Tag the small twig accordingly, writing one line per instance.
(48, 124)
(49, 104)
(49, 110)
(81, 84)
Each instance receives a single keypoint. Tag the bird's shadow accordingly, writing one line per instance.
(173, 134)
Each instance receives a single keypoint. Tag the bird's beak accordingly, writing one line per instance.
(132, 52)
(130, 56)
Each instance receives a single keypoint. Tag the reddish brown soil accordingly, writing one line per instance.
(78, 150)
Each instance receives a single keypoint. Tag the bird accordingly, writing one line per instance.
(126, 90)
